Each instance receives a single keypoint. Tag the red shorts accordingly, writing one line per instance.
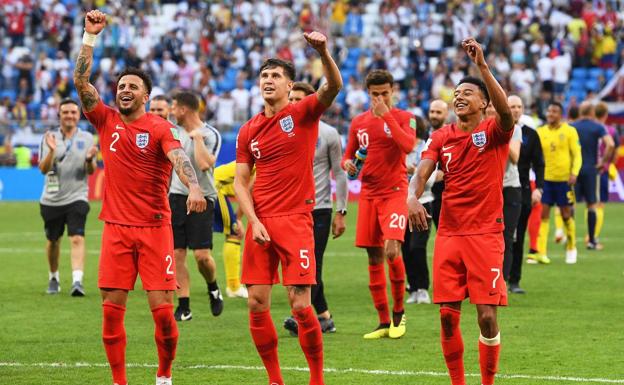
(128, 250)
(469, 266)
(292, 244)
(380, 219)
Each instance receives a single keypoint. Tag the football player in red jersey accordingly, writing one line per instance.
(468, 254)
(388, 134)
(139, 150)
(280, 142)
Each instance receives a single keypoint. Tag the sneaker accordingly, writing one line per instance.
(163, 381)
(515, 288)
(594, 246)
(412, 298)
(382, 331)
(422, 297)
(560, 236)
(53, 287)
(291, 325)
(182, 314)
(327, 325)
(397, 331)
(538, 258)
(216, 302)
(77, 290)
(570, 258)
(241, 292)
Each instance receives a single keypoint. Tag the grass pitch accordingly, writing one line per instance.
(567, 329)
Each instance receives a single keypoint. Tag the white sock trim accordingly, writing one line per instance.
(53, 275)
(490, 341)
(77, 276)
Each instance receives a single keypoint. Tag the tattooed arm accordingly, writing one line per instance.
(183, 167)
(94, 23)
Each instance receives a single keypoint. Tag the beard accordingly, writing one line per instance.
(129, 110)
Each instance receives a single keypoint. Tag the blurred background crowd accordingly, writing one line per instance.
(539, 49)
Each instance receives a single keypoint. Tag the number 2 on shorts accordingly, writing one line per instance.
(169, 260)
(497, 271)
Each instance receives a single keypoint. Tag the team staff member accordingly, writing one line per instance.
(67, 158)
(438, 114)
(201, 143)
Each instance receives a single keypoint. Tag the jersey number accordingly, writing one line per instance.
(305, 259)
(169, 260)
(363, 139)
(497, 271)
(447, 155)
(254, 149)
(397, 221)
(115, 139)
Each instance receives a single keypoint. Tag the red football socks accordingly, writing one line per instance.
(377, 286)
(311, 341)
(489, 351)
(114, 338)
(397, 282)
(452, 344)
(264, 336)
(166, 336)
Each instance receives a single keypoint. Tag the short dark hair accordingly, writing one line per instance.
(187, 99)
(602, 110)
(557, 104)
(163, 98)
(573, 112)
(288, 67)
(378, 77)
(306, 88)
(68, 101)
(147, 80)
(477, 82)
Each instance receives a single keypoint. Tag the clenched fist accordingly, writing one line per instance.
(316, 40)
(95, 21)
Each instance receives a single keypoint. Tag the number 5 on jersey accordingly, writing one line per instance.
(254, 149)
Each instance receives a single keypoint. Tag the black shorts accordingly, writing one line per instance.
(193, 231)
(56, 217)
(587, 186)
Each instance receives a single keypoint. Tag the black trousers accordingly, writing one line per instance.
(322, 227)
(512, 205)
(518, 246)
(414, 250)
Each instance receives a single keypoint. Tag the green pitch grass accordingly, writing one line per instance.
(567, 329)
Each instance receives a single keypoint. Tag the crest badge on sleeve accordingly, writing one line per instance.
(142, 139)
(287, 124)
(479, 139)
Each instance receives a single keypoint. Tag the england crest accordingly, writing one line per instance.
(479, 139)
(387, 130)
(287, 124)
(142, 139)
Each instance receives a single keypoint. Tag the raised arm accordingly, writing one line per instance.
(328, 90)
(496, 92)
(404, 137)
(95, 21)
(47, 161)
(204, 157)
(184, 169)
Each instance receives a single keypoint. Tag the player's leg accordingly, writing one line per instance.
(535, 220)
(309, 330)
(208, 269)
(420, 240)
(259, 274)
(54, 225)
(604, 197)
(76, 220)
(114, 332)
(158, 275)
(518, 247)
(512, 198)
(262, 328)
(560, 235)
(567, 213)
(226, 222)
(591, 194)
(549, 198)
(165, 331)
(452, 341)
(489, 343)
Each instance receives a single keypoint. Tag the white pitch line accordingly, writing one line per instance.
(405, 373)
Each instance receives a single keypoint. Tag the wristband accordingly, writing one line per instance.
(89, 39)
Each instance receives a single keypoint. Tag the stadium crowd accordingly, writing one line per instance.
(217, 48)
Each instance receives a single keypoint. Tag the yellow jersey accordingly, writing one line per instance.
(224, 178)
(562, 152)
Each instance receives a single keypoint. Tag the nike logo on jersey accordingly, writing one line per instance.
(445, 148)
(304, 274)
(118, 127)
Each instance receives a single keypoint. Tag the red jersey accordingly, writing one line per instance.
(474, 165)
(136, 166)
(282, 148)
(388, 140)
